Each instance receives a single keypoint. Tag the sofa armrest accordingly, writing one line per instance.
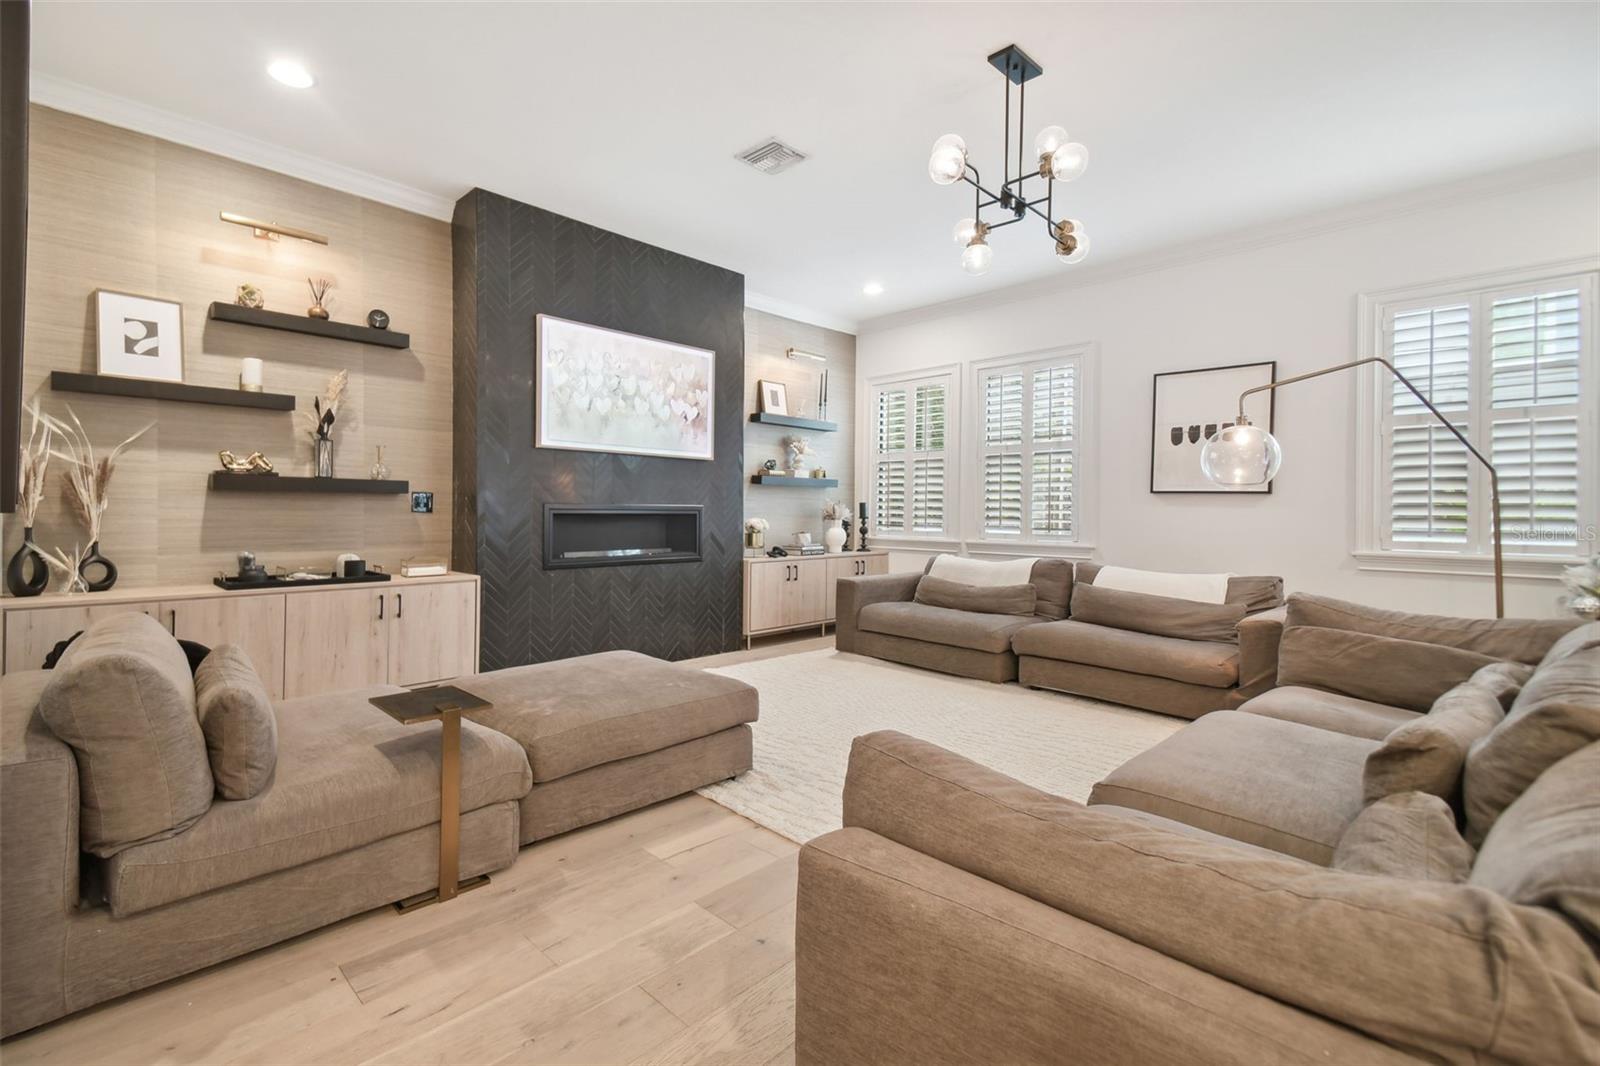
(858, 592)
(901, 958)
(1449, 970)
(1259, 634)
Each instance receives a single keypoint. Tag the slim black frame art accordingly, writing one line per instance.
(1219, 398)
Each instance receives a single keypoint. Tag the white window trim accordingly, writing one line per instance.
(952, 466)
(1372, 392)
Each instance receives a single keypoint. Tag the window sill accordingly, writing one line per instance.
(1052, 549)
(911, 544)
(1538, 567)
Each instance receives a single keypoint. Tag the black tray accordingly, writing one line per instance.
(277, 581)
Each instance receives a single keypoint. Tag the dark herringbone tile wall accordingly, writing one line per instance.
(513, 262)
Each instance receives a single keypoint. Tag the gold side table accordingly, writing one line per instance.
(444, 704)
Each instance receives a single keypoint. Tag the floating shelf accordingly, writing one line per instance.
(794, 423)
(317, 327)
(222, 481)
(795, 482)
(106, 385)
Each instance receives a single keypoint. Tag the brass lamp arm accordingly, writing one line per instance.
(1494, 477)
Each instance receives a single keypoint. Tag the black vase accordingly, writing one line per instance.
(93, 558)
(26, 573)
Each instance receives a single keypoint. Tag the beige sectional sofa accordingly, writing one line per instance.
(1253, 889)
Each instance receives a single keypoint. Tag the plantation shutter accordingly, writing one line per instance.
(1028, 463)
(910, 427)
(1429, 471)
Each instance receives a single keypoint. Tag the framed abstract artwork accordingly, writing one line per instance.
(601, 390)
(1188, 407)
(138, 336)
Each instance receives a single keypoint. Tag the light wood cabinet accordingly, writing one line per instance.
(433, 635)
(795, 593)
(254, 623)
(30, 635)
(852, 565)
(336, 640)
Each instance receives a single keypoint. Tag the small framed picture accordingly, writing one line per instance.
(774, 397)
(1189, 407)
(138, 336)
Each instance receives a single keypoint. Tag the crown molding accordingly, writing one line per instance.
(799, 313)
(69, 96)
(1577, 166)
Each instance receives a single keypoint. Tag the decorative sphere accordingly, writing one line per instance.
(1241, 455)
(1068, 162)
(1050, 138)
(948, 160)
(976, 259)
(965, 230)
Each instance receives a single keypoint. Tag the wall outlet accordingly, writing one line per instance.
(422, 502)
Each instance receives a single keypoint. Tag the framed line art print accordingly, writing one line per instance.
(1188, 407)
(138, 336)
(773, 397)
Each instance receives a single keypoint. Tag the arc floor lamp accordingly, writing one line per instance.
(1246, 454)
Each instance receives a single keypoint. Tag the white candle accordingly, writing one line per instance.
(250, 374)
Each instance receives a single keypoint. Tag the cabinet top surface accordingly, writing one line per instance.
(764, 558)
(141, 594)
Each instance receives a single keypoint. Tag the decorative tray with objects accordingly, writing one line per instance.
(292, 579)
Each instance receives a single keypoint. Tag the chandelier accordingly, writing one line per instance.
(1058, 159)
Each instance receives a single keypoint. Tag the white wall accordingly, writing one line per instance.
(1292, 299)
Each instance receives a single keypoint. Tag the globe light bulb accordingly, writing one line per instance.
(948, 160)
(965, 230)
(1074, 235)
(1243, 454)
(1069, 161)
(1050, 138)
(976, 259)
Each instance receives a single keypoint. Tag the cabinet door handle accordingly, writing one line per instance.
(174, 629)
(380, 607)
(399, 604)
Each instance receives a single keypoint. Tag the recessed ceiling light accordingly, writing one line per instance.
(292, 74)
(873, 288)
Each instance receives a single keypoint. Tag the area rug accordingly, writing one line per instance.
(814, 703)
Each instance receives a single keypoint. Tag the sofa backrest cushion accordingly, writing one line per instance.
(1427, 754)
(1409, 834)
(1207, 588)
(237, 719)
(1545, 849)
(1052, 582)
(1051, 578)
(1399, 673)
(1523, 640)
(1556, 713)
(984, 599)
(1257, 593)
(123, 699)
(1162, 616)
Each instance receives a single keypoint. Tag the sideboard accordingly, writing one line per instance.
(407, 631)
(797, 592)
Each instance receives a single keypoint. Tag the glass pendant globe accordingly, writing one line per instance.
(1241, 455)
(976, 259)
(1081, 252)
(948, 161)
(1050, 138)
(965, 230)
(1069, 161)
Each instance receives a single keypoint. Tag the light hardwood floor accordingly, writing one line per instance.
(664, 936)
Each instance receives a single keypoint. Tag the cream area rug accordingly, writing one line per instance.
(813, 704)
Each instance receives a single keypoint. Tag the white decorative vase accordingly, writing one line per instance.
(833, 536)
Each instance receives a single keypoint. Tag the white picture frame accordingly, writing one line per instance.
(1188, 407)
(603, 390)
(138, 336)
(773, 397)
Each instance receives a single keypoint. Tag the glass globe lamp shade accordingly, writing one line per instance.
(1244, 454)
(976, 259)
(1080, 241)
(965, 230)
(1068, 162)
(1050, 138)
(948, 160)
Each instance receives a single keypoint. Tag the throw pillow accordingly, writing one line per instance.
(1427, 754)
(1163, 616)
(123, 699)
(236, 717)
(983, 599)
(1400, 673)
(1522, 640)
(1410, 835)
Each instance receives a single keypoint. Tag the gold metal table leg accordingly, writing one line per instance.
(450, 883)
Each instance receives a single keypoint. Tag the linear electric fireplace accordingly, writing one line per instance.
(620, 535)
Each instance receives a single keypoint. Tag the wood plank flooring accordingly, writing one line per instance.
(664, 936)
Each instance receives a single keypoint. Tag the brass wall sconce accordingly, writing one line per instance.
(270, 231)
(796, 353)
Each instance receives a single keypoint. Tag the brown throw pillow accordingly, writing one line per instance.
(981, 599)
(1400, 673)
(1410, 835)
(1163, 616)
(1427, 754)
(1052, 585)
(236, 716)
(1256, 593)
(1523, 640)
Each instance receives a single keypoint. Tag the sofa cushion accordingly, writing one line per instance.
(1162, 616)
(122, 698)
(347, 775)
(1051, 578)
(1523, 640)
(1409, 834)
(1256, 593)
(1404, 673)
(1428, 753)
(940, 625)
(1205, 588)
(576, 713)
(1184, 829)
(1556, 713)
(1197, 662)
(984, 599)
(1329, 710)
(1279, 785)
(1544, 850)
(236, 717)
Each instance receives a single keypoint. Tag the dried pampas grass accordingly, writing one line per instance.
(327, 406)
(87, 488)
(34, 463)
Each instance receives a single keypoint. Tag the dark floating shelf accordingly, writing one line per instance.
(106, 385)
(794, 423)
(795, 482)
(317, 327)
(222, 481)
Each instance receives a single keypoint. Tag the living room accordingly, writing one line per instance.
(979, 533)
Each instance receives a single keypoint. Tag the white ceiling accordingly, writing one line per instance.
(1200, 118)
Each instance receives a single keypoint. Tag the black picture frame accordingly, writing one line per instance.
(1196, 440)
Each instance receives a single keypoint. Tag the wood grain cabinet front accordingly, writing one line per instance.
(793, 592)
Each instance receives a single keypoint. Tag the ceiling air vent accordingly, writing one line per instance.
(771, 156)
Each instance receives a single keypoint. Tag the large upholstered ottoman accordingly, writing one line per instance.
(609, 733)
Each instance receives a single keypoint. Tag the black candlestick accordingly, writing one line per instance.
(861, 530)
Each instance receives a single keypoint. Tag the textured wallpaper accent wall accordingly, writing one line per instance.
(513, 262)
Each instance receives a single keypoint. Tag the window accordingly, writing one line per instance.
(909, 460)
(1028, 443)
(1507, 365)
